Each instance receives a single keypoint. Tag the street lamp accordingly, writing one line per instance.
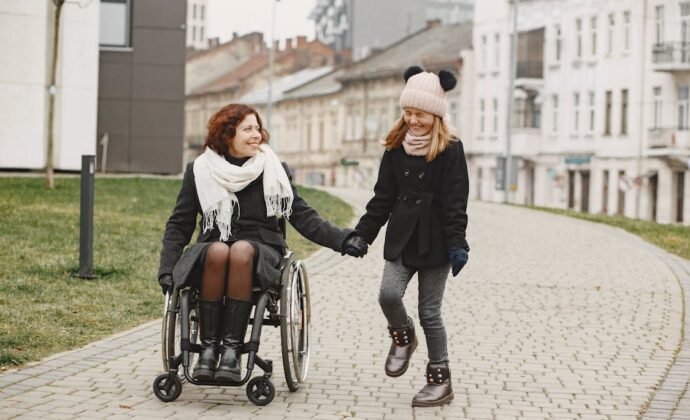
(271, 58)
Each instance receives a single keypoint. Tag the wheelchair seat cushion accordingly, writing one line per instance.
(267, 257)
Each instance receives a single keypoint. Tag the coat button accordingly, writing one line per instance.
(418, 201)
(421, 175)
(406, 172)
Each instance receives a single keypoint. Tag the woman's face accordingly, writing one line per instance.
(247, 138)
(419, 122)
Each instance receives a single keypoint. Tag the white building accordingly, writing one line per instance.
(197, 21)
(600, 116)
(26, 34)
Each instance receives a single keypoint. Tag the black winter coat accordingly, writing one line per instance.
(424, 203)
(252, 225)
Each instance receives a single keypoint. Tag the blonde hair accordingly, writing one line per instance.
(441, 136)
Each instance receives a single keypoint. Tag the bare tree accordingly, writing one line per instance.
(50, 182)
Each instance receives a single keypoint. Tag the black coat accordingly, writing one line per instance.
(252, 225)
(424, 203)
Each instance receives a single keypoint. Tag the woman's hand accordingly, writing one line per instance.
(166, 283)
(355, 246)
(458, 258)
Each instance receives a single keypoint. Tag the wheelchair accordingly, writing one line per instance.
(286, 305)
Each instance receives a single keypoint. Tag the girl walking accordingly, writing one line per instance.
(421, 191)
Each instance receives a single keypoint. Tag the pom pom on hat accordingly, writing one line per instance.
(427, 91)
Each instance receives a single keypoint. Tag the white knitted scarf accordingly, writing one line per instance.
(217, 181)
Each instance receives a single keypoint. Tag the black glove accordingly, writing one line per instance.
(166, 282)
(458, 258)
(355, 246)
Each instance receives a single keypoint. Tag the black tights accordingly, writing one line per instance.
(228, 271)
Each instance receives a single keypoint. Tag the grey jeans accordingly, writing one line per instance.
(432, 283)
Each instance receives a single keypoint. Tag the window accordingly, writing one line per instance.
(576, 112)
(605, 192)
(659, 24)
(484, 47)
(621, 193)
(578, 38)
(607, 115)
(685, 23)
(201, 33)
(612, 31)
(656, 122)
(554, 115)
(557, 43)
(497, 50)
(495, 115)
(481, 116)
(624, 112)
(115, 23)
(194, 33)
(202, 10)
(591, 112)
(626, 31)
(683, 105)
(593, 24)
(194, 12)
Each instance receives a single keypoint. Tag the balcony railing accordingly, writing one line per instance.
(669, 138)
(671, 56)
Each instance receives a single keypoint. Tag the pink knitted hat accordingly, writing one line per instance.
(426, 91)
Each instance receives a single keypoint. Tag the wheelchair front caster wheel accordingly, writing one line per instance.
(167, 387)
(260, 390)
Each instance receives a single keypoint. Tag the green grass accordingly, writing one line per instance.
(673, 238)
(47, 310)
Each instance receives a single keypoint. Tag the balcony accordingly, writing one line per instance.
(671, 57)
(662, 141)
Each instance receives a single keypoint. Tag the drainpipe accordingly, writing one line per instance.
(507, 173)
(643, 89)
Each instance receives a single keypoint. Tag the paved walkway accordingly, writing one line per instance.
(552, 318)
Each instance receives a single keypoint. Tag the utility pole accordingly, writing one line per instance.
(271, 58)
(507, 178)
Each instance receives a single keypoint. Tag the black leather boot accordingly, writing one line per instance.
(209, 313)
(235, 321)
(438, 390)
(403, 345)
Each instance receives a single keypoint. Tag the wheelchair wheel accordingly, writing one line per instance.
(260, 390)
(167, 387)
(170, 334)
(295, 314)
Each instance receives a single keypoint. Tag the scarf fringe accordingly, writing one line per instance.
(221, 213)
(278, 206)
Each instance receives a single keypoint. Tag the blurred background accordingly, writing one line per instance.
(587, 110)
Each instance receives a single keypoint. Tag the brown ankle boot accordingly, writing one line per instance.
(438, 390)
(403, 345)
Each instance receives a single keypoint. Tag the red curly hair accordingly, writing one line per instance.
(223, 124)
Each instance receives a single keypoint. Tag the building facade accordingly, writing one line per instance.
(599, 121)
(141, 85)
(197, 21)
(332, 127)
(25, 78)
(366, 26)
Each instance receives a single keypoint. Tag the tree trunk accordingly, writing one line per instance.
(50, 182)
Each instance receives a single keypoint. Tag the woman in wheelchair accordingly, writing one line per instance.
(240, 189)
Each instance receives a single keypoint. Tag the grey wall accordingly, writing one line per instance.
(141, 92)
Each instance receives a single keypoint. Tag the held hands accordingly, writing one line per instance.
(166, 283)
(355, 246)
(458, 258)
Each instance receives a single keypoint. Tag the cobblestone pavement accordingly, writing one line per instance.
(552, 318)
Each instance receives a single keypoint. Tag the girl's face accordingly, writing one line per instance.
(247, 138)
(419, 122)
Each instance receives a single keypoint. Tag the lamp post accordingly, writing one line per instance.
(507, 178)
(271, 58)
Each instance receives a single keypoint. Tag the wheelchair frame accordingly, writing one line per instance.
(289, 307)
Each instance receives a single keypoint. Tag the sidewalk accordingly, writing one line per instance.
(552, 318)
